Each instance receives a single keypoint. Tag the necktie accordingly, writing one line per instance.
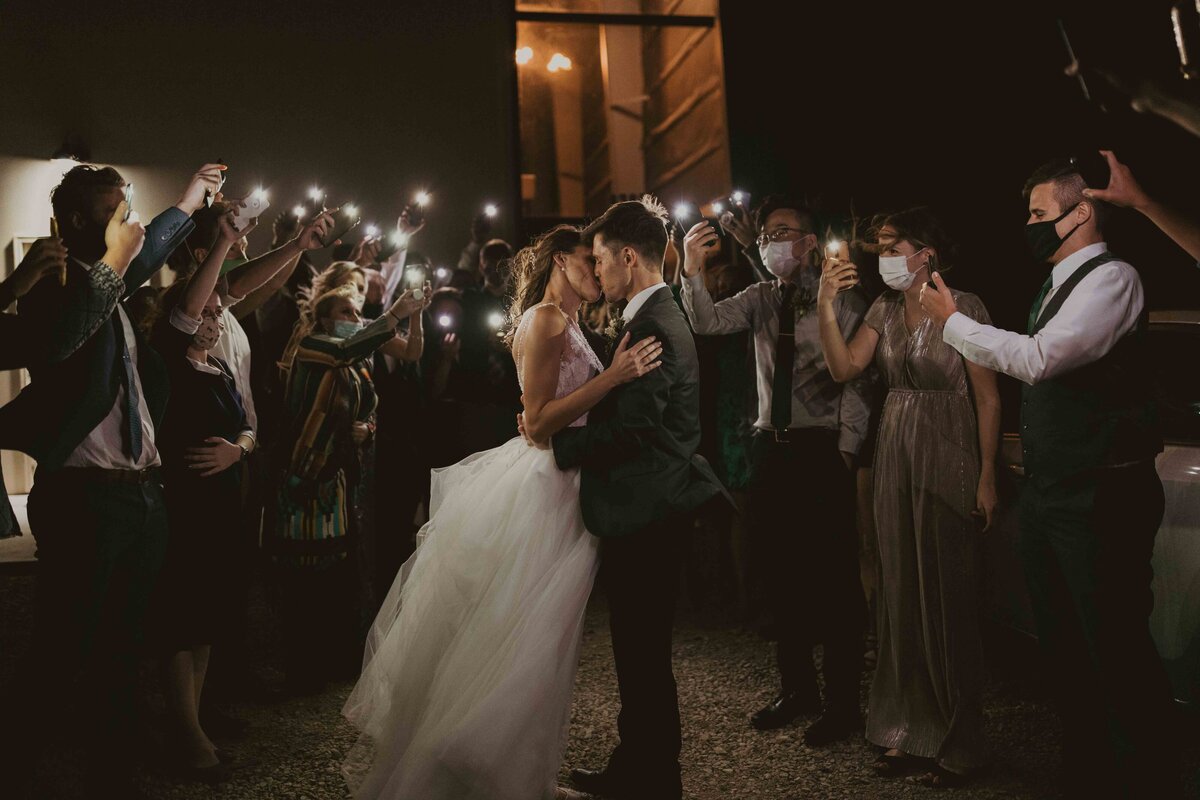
(1037, 304)
(133, 419)
(785, 357)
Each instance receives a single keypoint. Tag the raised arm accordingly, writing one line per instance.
(343, 352)
(542, 347)
(733, 314)
(201, 285)
(57, 320)
(1124, 190)
(411, 346)
(846, 360)
(270, 272)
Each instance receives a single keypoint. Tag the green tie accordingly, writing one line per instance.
(1037, 304)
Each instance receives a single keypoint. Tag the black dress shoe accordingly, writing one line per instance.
(596, 781)
(783, 709)
(832, 726)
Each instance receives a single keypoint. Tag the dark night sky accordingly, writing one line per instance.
(838, 100)
(953, 110)
(370, 99)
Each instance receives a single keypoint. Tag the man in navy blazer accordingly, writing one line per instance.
(96, 508)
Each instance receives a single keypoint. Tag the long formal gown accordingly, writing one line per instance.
(470, 665)
(926, 698)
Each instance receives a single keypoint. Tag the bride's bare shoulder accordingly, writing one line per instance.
(544, 321)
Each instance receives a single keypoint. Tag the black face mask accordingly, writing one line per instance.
(1044, 240)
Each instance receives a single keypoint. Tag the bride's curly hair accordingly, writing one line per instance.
(531, 269)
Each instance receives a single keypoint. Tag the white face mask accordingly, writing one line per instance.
(778, 258)
(894, 271)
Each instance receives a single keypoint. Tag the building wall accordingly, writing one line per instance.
(371, 100)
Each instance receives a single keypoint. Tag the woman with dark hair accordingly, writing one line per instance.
(204, 434)
(470, 665)
(935, 489)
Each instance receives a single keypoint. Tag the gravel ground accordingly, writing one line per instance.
(723, 673)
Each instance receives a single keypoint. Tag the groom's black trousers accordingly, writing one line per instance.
(640, 574)
(802, 519)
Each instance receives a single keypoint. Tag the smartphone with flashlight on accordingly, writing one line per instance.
(345, 219)
(389, 245)
(252, 208)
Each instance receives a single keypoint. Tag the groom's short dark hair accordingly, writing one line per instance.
(640, 224)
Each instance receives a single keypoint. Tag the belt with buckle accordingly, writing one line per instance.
(133, 477)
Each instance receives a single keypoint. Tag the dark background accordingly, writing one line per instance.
(953, 107)
(946, 105)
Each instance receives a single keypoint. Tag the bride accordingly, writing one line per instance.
(469, 667)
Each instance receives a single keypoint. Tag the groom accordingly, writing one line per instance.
(640, 481)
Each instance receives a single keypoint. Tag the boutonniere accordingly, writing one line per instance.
(616, 325)
(803, 301)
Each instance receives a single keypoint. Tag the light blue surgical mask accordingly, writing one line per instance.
(344, 329)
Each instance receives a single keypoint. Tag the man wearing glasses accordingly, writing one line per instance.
(801, 498)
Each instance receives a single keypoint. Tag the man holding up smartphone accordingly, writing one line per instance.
(808, 433)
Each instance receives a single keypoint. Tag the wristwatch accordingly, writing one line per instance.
(245, 451)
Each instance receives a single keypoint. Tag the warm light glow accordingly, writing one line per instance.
(718, 207)
(496, 320)
(833, 248)
(683, 211)
(299, 211)
(315, 193)
(739, 197)
(260, 193)
(422, 198)
(444, 320)
(351, 210)
(491, 210)
(372, 230)
(442, 272)
(558, 61)
(524, 55)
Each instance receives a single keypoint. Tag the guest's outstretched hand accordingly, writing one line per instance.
(1123, 189)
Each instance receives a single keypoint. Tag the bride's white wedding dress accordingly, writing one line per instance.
(470, 665)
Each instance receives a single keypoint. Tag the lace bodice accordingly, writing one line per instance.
(579, 362)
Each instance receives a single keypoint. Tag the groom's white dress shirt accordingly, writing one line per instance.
(638, 300)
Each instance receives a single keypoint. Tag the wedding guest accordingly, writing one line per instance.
(330, 415)
(808, 432)
(934, 471)
(205, 436)
(97, 506)
(1092, 500)
(1123, 190)
(87, 308)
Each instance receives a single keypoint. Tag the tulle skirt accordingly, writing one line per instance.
(470, 665)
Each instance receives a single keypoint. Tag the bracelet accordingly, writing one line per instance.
(392, 313)
(245, 451)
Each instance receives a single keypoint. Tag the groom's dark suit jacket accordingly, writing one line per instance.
(638, 450)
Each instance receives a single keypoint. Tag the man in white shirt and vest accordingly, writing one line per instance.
(1092, 500)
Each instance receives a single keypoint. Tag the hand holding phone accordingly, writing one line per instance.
(250, 209)
(345, 219)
